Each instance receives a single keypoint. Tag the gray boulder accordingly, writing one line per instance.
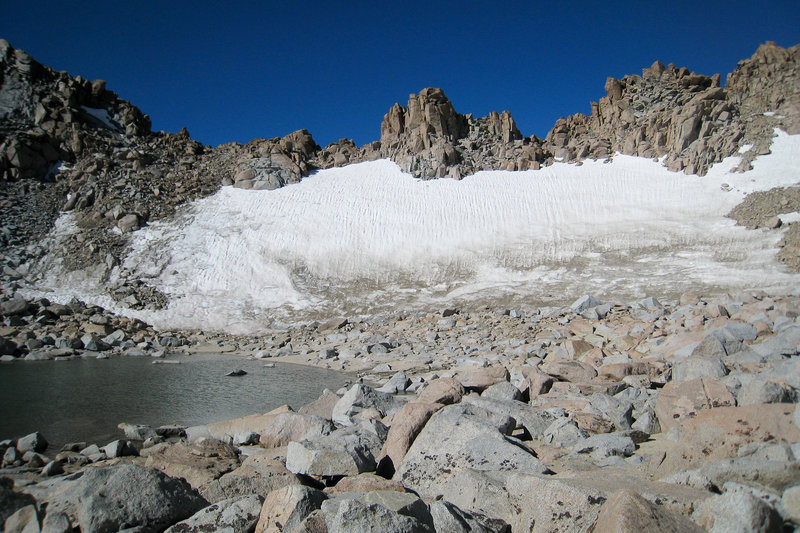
(124, 496)
(137, 431)
(291, 426)
(396, 384)
(699, 367)
(605, 445)
(460, 437)
(347, 451)
(448, 517)
(534, 419)
(737, 512)
(563, 432)
(583, 303)
(759, 390)
(354, 515)
(34, 442)
(56, 523)
(25, 520)
(235, 515)
(361, 397)
(617, 409)
(504, 390)
(286, 508)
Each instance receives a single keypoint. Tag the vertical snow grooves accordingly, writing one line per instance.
(367, 237)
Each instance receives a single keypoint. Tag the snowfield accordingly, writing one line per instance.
(368, 238)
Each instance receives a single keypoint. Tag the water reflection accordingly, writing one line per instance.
(85, 399)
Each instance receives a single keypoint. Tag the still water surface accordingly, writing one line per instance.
(85, 399)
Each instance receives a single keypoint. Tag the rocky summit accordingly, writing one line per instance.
(653, 414)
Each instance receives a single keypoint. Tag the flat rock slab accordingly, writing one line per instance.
(679, 402)
(717, 434)
(229, 428)
(197, 463)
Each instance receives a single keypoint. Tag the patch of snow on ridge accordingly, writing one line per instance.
(101, 115)
(367, 238)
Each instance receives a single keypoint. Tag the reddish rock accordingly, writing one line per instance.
(408, 422)
(679, 402)
(481, 378)
(444, 391)
(627, 512)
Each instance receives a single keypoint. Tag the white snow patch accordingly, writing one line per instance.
(745, 148)
(789, 218)
(368, 238)
(101, 115)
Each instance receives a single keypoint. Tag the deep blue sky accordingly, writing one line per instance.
(235, 71)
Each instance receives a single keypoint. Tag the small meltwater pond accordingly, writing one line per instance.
(85, 399)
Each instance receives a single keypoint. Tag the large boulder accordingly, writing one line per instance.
(25, 520)
(444, 391)
(361, 397)
(544, 503)
(198, 463)
(534, 420)
(236, 515)
(34, 442)
(720, 433)
(287, 427)
(258, 474)
(285, 508)
(407, 424)
(680, 401)
(11, 501)
(257, 423)
(480, 379)
(345, 452)
(627, 512)
(322, 406)
(738, 512)
(114, 498)
(460, 437)
(352, 514)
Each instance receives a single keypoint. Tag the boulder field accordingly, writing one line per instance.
(665, 416)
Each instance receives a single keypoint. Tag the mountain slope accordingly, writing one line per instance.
(68, 145)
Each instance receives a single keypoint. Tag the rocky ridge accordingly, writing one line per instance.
(70, 145)
(599, 416)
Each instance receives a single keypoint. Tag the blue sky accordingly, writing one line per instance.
(237, 71)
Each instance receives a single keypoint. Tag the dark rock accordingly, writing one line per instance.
(131, 496)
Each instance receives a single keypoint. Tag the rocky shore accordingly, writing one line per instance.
(652, 415)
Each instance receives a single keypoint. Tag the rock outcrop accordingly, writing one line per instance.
(685, 117)
(430, 139)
